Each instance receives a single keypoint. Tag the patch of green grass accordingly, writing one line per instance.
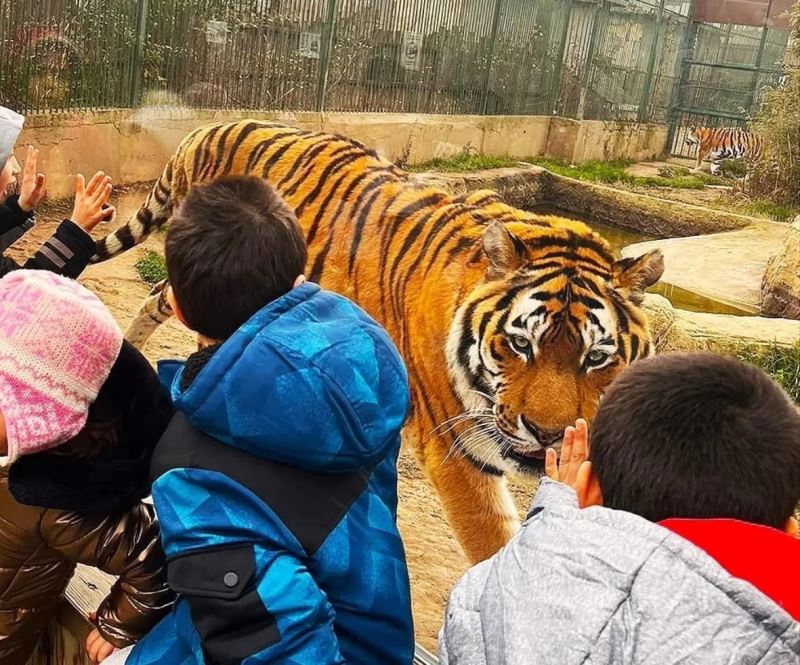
(780, 362)
(615, 172)
(675, 182)
(767, 208)
(593, 171)
(608, 172)
(152, 268)
(464, 162)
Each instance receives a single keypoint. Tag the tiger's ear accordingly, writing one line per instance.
(635, 275)
(504, 250)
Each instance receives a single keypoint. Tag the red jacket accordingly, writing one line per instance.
(763, 556)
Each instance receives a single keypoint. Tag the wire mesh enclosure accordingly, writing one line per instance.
(642, 60)
(725, 71)
(57, 54)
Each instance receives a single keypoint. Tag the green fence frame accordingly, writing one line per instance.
(684, 113)
(587, 59)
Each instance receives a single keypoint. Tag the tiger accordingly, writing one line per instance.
(718, 143)
(511, 324)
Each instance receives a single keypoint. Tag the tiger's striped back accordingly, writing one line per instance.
(719, 143)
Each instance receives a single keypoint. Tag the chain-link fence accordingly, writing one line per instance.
(726, 70)
(593, 59)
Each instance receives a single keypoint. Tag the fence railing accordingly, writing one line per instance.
(593, 59)
(582, 58)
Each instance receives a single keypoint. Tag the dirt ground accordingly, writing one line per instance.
(434, 557)
(700, 197)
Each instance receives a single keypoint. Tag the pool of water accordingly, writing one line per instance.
(619, 238)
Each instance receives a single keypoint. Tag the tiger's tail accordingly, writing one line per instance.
(153, 214)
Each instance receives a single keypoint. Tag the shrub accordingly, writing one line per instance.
(152, 268)
(777, 174)
(780, 362)
(734, 168)
(670, 171)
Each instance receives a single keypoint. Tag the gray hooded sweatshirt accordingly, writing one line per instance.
(599, 586)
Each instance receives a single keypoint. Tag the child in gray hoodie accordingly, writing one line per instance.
(671, 540)
(70, 249)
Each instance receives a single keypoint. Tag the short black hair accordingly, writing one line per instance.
(698, 436)
(232, 247)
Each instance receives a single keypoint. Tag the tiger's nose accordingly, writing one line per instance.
(547, 437)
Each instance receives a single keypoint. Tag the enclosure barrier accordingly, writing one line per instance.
(631, 60)
(592, 59)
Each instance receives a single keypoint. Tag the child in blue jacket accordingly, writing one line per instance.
(276, 483)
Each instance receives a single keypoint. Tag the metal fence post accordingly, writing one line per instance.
(759, 61)
(587, 73)
(685, 54)
(644, 102)
(498, 5)
(137, 68)
(325, 54)
(555, 84)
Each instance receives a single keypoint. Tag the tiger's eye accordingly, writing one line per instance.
(520, 343)
(596, 357)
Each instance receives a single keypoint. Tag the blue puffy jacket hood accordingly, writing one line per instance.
(310, 381)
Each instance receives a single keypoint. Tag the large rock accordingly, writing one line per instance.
(680, 330)
(780, 289)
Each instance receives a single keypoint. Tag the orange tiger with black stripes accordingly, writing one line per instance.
(512, 324)
(718, 143)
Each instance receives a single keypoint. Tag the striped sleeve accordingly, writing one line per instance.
(67, 252)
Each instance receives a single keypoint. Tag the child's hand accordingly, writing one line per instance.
(32, 189)
(91, 201)
(574, 452)
(97, 647)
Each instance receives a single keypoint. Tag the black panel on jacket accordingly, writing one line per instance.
(227, 611)
(310, 503)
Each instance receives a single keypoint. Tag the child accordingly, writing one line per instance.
(80, 412)
(276, 483)
(69, 250)
(692, 559)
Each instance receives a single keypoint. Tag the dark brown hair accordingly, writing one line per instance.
(698, 436)
(232, 247)
(99, 433)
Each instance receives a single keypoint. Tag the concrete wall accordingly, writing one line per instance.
(134, 145)
(597, 139)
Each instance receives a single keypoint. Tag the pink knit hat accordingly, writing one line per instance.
(58, 343)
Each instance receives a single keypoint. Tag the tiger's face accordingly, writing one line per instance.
(535, 345)
(695, 136)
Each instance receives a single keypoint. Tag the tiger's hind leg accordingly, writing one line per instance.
(715, 158)
(154, 311)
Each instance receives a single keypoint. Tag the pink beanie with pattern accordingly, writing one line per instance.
(58, 343)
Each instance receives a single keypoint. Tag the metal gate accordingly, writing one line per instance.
(723, 73)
